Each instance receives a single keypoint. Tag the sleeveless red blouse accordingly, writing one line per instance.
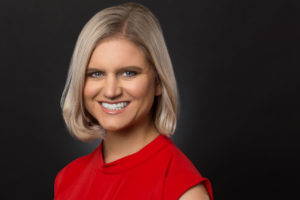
(158, 171)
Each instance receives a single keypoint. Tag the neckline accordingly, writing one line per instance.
(131, 160)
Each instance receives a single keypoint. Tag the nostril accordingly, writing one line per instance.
(112, 92)
(112, 89)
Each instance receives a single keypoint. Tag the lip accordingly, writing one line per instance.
(113, 112)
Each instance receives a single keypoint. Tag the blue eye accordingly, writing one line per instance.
(95, 74)
(129, 73)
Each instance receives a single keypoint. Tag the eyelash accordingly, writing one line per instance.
(129, 73)
(98, 74)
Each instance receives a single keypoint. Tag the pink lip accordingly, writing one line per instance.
(112, 112)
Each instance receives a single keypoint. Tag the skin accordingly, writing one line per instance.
(197, 192)
(118, 71)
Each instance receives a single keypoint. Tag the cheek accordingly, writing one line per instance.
(142, 88)
(89, 90)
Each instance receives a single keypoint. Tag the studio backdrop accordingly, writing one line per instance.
(238, 76)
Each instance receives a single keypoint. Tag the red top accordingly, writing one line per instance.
(158, 171)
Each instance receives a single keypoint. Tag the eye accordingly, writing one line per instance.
(129, 73)
(96, 74)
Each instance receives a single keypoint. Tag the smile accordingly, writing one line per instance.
(115, 106)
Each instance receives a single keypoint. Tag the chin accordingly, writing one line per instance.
(115, 124)
(113, 127)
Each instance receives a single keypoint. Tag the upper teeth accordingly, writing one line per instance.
(116, 106)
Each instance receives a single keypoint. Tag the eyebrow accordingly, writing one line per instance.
(92, 70)
(135, 68)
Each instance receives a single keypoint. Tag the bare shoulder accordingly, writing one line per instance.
(198, 192)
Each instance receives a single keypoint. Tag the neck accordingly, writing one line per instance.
(118, 144)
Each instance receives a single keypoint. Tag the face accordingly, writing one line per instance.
(120, 85)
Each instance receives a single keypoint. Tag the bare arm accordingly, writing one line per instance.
(198, 192)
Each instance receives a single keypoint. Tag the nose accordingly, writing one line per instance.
(112, 89)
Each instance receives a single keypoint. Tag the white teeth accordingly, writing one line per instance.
(116, 106)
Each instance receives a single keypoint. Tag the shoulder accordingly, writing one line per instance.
(183, 179)
(78, 163)
(179, 162)
(73, 170)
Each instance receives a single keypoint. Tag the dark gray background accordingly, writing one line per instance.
(238, 76)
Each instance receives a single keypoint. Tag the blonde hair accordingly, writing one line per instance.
(137, 24)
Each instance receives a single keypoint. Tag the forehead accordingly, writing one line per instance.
(117, 52)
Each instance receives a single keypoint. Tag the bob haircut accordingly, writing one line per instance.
(137, 24)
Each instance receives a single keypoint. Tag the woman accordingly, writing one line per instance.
(121, 88)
